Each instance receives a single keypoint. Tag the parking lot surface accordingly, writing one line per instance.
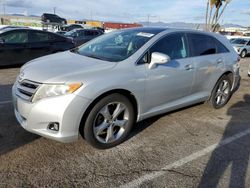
(193, 147)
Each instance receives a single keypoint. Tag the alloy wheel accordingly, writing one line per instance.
(223, 93)
(110, 122)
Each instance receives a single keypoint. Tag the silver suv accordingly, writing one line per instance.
(101, 89)
(242, 46)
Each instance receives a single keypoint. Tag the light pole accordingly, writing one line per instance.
(54, 9)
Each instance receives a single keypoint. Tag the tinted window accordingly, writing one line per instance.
(81, 33)
(96, 33)
(89, 33)
(248, 43)
(15, 37)
(173, 45)
(39, 37)
(220, 47)
(202, 44)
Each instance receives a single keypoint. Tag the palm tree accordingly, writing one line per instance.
(212, 21)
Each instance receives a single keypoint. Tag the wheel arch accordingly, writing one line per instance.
(123, 92)
(230, 76)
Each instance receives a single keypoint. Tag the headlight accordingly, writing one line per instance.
(47, 90)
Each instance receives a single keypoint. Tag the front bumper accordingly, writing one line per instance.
(67, 110)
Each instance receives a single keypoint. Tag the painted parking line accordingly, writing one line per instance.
(137, 182)
(5, 102)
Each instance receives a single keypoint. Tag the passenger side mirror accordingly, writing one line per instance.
(158, 58)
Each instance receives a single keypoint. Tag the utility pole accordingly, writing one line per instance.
(4, 10)
(148, 18)
(91, 14)
(54, 9)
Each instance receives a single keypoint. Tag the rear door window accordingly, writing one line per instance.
(39, 37)
(173, 45)
(89, 33)
(15, 37)
(220, 47)
(202, 44)
(205, 45)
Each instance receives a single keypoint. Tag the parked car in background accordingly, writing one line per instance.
(241, 46)
(17, 46)
(103, 87)
(81, 36)
(61, 32)
(71, 27)
(53, 18)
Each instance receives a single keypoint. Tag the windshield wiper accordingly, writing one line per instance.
(95, 57)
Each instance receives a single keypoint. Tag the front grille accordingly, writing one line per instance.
(26, 89)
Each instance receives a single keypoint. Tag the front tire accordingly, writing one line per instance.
(109, 122)
(221, 92)
(243, 53)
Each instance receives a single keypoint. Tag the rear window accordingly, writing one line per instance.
(205, 45)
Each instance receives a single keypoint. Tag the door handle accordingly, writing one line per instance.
(189, 67)
(219, 61)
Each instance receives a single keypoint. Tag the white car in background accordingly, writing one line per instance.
(241, 46)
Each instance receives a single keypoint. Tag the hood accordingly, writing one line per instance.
(60, 67)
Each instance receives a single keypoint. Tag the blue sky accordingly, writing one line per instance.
(238, 12)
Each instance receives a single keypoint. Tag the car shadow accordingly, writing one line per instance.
(12, 135)
(142, 125)
(233, 156)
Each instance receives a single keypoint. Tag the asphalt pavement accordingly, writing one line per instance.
(192, 147)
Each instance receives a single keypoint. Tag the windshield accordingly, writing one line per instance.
(239, 41)
(115, 46)
(72, 33)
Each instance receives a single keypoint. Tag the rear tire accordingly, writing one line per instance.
(109, 122)
(221, 93)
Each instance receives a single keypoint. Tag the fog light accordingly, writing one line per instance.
(54, 126)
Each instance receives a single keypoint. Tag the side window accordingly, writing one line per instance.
(248, 43)
(220, 47)
(96, 33)
(39, 37)
(202, 44)
(81, 33)
(173, 45)
(89, 33)
(56, 38)
(15, 37)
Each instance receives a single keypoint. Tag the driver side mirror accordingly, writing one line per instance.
(157, 59)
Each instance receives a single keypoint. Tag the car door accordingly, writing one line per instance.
(170, 82)
(89, 35)
(207, 61)
(14, 47)
(40, 44)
